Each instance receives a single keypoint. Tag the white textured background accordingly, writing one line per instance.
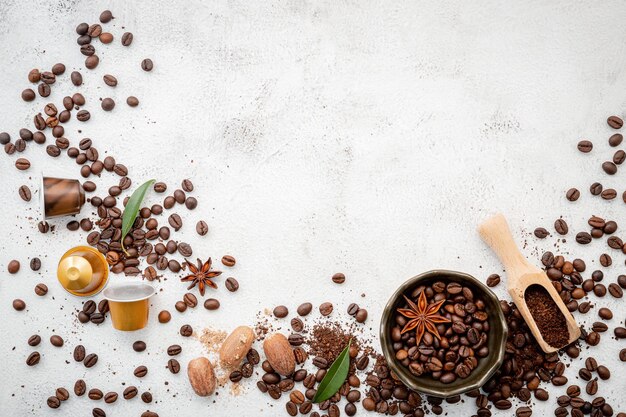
(363, 137)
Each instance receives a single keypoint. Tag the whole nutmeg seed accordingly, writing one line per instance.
(279, 354)
(201, 376)
(236, 346)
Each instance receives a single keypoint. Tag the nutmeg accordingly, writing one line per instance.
(236, 346)
(201, 376)
(279, 354)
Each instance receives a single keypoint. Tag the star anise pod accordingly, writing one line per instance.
(201, 275)
(422, 317)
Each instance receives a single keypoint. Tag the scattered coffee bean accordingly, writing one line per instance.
(140, 371)
(147, 65)
(231, 284)
(326, 309)
(130, 392)
(56, 340)
(139, 346)
(108, 104)
(541, 233)
(595, 188)
(615, 122)
(164, 316)
(18, 304)
(90, 360)
(609, 167)
(132, 101)
(281, 312)
(34, 340)
(186, 330)
(35, 264)
(561, 227)
(41, 289)
(211, 304)
(616, 139)
(33, 359)
(585, 146)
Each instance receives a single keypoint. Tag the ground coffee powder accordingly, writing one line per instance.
(547, 315)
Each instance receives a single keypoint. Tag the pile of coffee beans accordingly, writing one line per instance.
(455, 351)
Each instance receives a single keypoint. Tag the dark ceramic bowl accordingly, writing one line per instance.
(486, 366)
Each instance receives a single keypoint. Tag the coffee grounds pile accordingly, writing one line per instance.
(548, 317)
(328, 340)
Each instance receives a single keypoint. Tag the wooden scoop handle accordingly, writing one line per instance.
(496, 233)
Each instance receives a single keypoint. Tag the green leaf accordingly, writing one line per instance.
(335, 377)
(132, 208)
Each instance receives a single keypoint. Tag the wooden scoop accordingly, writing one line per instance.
(520, 275)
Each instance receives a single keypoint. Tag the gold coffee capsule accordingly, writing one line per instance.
(83, 271)
(61, 197)
(129, 305)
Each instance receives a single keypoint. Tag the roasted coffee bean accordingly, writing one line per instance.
(305, 308)
(541, 233)
(159, 187)
(77, 80)
(596, 188)
(326, 309)
(22, 164)
(353, 308)
(605, 313)
(493, 280)
(140, 371)
(132, 101)
(110, 397)
(608, 194)
(13, 267)
(28, 94)
(592, 387)
(605, 260)
(583, 238)
(609, 167)
(231, 284)
(615, 290)
(130, 392)
(174, 350)
(190, 300)
(361, 315)
(297, 325)
(34, 340)
(295, 339)
(33, 359)
(147, 65)
(616, 139)
(561, 227)
(235, 376)
(89, 307)
(139, 346)
(184, 249)
(35, 265)
(90, 360)
(186, 330)
(202, 228)
(615, 122)
(98, 412)
(53, 402)
(191, 203)
(80, 387)
(79, 353)
(228, 260)
(180, 305)
(175, 221)
(173, 365)
(603, 372)
(107, 104)
(211, 304)
(83, 115)
(615, 242)
(179, 196)
(18, 304)
(56, 340)
(619, 157)
(339, 278)
(169, 202)
(280, 312)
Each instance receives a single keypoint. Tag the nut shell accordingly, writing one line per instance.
(201, 376)
(236, 346)
(279, 354)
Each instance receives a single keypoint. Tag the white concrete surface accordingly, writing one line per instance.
(363, 137)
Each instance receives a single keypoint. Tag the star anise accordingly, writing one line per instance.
(201, 275)
(423, 317)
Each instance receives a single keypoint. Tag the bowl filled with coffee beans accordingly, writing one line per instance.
(443, 333)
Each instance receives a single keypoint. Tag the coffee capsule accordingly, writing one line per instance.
(61, 197)
(83, 271)
(129, 305)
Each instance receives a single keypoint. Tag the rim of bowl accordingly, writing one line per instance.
(419, 384)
